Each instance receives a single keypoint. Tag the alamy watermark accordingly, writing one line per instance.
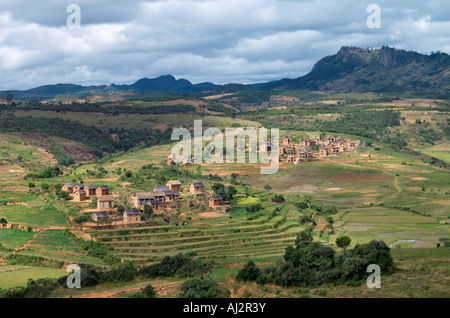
(374, 279)
(74, 280)
(73, 20)
(374, 20)
(238, 144)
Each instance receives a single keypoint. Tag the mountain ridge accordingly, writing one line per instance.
(376, 70)
(350, 69)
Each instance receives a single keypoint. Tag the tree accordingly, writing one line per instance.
(308, 198)
(445, 242)
(231, 191)
(62, 195)
(301, 205)
(267, 187)
(343, 241)
(304, 238)
(249, 273)
(3, 222)
(202, 287)
(45, 187)
(105, 221)
(147, 292)
(80, 220)
(148, 212)
(123, 272)
(31, 184)
(227, 193)
(278, 198)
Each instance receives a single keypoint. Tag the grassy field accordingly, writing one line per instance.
(130, 121)
(17, 275)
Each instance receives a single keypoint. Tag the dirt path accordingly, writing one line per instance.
(350, 165)
(161, 289)
(397, 187)
(27, 243)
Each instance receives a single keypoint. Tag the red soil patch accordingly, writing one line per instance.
(209, 215)
(161, 127)
(359, 177)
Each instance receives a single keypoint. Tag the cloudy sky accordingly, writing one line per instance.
(221, 41)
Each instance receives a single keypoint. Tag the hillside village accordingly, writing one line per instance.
(313, 148)
(164, 199)
(161, 199)
(293, 152)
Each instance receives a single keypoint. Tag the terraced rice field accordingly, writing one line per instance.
(231, 241)
(393, 226)
(53, 241)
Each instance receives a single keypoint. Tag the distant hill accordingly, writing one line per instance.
(374, 70)
(352, 69)
(165, 83)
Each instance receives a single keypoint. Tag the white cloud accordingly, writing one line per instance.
(202, 40)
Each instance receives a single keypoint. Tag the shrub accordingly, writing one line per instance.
(278, 198)
(147, 292)
(202, 287)
(180, 265)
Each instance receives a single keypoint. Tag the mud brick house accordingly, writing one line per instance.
(196, 187)
(67, 187)
(105, 202)
(78, 186)
(187, 161)
(140, 199)
(304, 143)
(170, 195)
(323, 152)
(148, 198)
(132, 216)
(80, 195)
(303, 154)
(161, 189)
(215, 201)
(287, 141)
(96, 216)
(90, 190)
(266, 146)
(290, 151)
(159, 196)
(102, 190)
(174, 185)
(171, 159)
(157, 205)
(250, 146)
(335, 149)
